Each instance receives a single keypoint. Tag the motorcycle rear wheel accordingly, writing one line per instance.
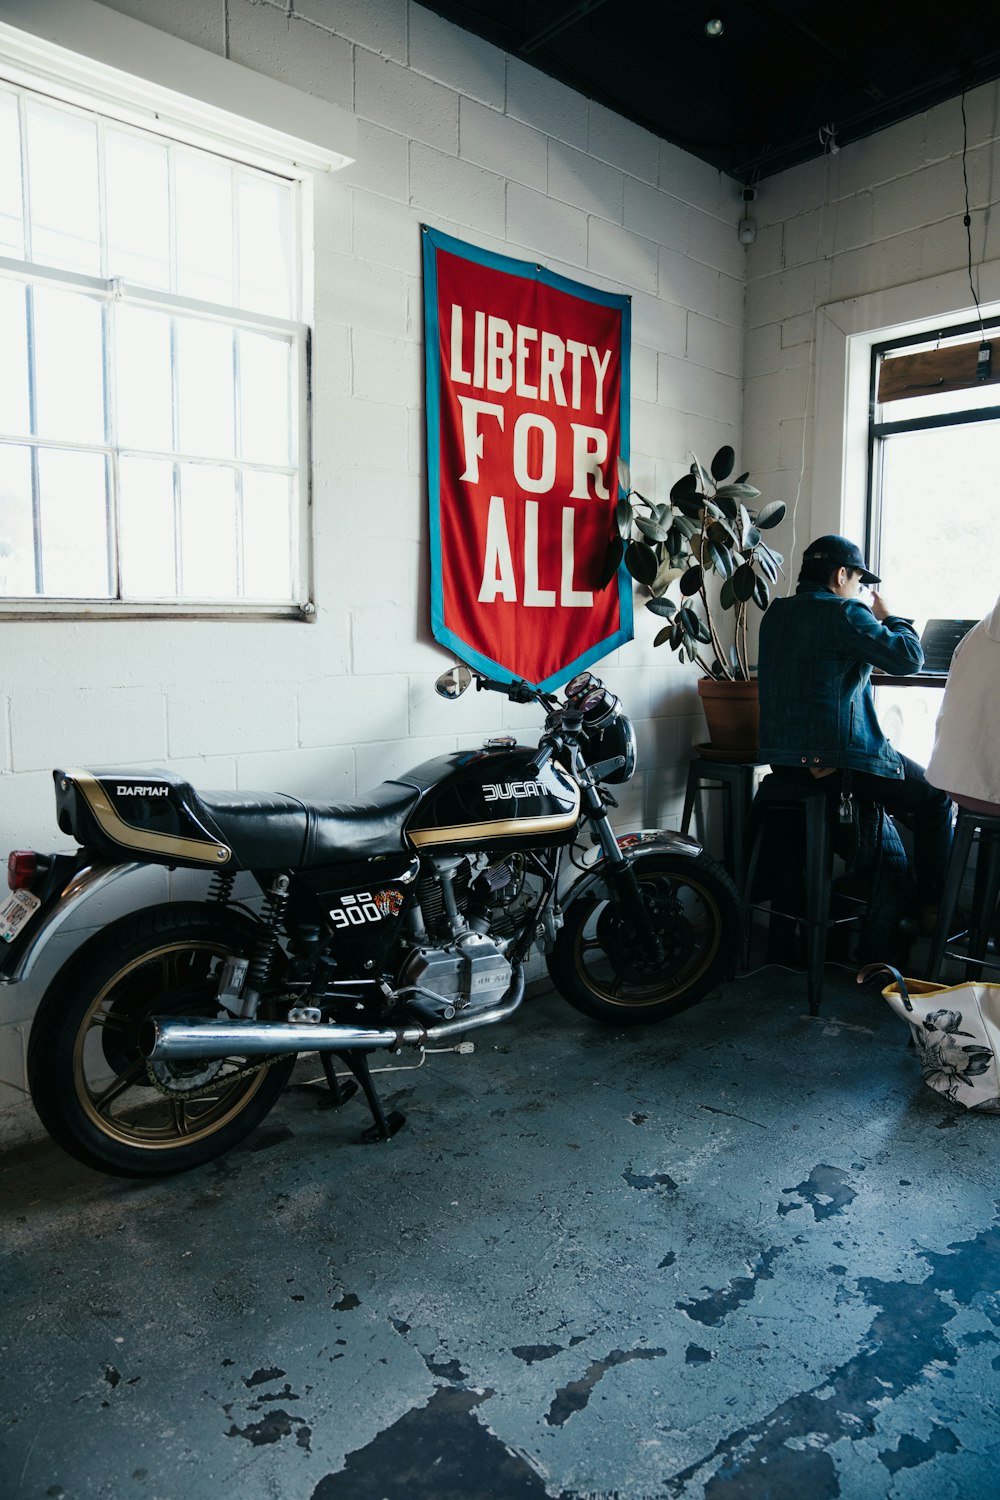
(598, 962)
(92, 1088)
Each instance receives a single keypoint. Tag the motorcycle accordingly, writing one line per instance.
(396, 921)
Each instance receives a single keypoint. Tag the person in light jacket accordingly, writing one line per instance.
(965, 761)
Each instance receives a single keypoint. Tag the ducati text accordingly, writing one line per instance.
(506, 791)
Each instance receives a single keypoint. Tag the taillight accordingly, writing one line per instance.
(22, 867)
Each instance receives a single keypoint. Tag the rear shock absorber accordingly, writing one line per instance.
(264, 949)
(221, 887)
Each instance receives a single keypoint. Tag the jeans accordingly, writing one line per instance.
(923, 807)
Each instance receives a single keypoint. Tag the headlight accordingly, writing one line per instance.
(614, 736)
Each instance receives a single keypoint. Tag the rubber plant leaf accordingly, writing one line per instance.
(612, 562)
(770, 515)
(691, 581)
(641, 561)
(743, 582)
(665, 607)
(722, 464)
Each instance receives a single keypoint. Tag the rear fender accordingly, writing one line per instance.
(636, 846)
(85, 879)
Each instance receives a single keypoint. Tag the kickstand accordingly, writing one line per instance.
(340, 1089)
(385, 1126)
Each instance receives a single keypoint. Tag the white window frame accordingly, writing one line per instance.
(59, 48)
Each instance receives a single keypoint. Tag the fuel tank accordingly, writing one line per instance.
(493, 797)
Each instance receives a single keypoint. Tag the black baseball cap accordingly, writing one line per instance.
(839, 552)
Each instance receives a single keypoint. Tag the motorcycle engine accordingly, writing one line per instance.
(460, 962)
(470, 973)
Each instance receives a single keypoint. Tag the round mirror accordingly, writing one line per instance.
(453, 683)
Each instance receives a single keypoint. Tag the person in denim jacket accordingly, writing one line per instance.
(817, 711)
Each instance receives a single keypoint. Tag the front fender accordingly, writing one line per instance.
(635, 846)
(18, 963)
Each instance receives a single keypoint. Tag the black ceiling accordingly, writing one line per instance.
(754, 100)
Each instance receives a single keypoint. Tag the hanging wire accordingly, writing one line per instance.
(828, 152)
(967, 221)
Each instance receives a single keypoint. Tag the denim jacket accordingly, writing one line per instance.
(816, 656)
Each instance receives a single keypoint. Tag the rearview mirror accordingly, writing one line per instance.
(453, 683)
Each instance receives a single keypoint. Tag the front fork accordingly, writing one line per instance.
(623, 885)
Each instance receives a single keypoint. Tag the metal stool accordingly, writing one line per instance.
(814, 805)
(984, 897)
(735, 780)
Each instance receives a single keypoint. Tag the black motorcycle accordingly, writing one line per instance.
(393, 922)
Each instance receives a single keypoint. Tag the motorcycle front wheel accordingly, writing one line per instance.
(601, 966)
(94, 1091)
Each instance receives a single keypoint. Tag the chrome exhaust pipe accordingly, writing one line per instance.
(182, 1039)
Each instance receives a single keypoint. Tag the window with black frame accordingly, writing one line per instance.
(934, 516)
(934, 492)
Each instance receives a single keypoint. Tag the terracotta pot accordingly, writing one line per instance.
(732, 712)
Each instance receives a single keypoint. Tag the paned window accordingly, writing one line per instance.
(934, 440)
(935, 452)
(153, 388)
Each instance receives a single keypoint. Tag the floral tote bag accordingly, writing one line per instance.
(956, 1031)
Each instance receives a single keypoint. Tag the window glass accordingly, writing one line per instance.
(14, 414)
(204, 196)
(74, 535)
(144, 384)
(17, 535)
(972, 399)
(938, 549)
(205, 388)
(265, 246)
(65, 194)
(150, 450)
(265, 417)
(148, 536)
(208, 531)
(268, 565)
(138, 207)
(68, 365)
(11, 210)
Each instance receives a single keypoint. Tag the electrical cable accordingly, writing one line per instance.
(967, 220)
(828, 152)
(462, 1047)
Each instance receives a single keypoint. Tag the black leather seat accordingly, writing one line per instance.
(269, 830)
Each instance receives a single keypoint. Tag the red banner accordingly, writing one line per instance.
(527, 413)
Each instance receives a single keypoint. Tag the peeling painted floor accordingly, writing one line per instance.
(743, 1254)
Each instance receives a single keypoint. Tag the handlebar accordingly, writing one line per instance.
(588, 706)
(517, 691)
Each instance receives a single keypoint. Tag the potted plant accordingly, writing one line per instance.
(708, 541)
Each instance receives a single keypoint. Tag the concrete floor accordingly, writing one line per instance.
(743, 1254)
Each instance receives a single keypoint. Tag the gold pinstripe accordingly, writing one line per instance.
(201, 850)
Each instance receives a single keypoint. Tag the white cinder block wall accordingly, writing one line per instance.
(873, 236)
(454, 133)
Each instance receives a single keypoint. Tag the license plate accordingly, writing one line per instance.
(19, 908)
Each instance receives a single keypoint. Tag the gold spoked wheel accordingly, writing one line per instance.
(93, 1088)
(601, 965)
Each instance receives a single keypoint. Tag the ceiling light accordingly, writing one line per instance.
(714, 27)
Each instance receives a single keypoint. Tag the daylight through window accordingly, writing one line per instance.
(935, 447)
(153, 387)
(934, 450)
